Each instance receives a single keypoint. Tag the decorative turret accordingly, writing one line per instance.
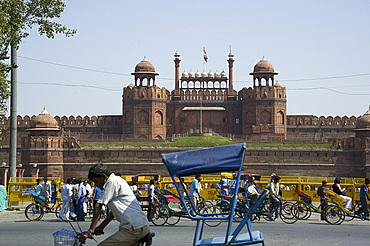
(144, 70)
(263, 70)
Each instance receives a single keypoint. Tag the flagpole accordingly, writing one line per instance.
(205, 58)
(201, 90)
(201, 116)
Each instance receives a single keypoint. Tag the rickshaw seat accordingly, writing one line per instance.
(227, 158)
(242, 239)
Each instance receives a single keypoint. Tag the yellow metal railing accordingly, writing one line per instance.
(19, 198)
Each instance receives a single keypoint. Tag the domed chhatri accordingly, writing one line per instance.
(263, 66)
(363, 122)
(144, 67)
(44, 120)
(184, 74)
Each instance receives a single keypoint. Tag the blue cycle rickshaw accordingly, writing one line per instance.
(215, 160)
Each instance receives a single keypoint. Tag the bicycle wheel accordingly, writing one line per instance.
(288, 212)
(224, 206)
(334, 215)
(57, 209)
(349, 217)
(212, 209)
(173, 219)
(240, 210)
(202, 205)
(265, 212)
(304, 211)
(160, 215)
(34, 212)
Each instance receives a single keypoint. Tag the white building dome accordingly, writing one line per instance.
(204, 74)
(210, 74)
(184, 74)
(223, 74)
(197, 74)
(191, 74)
(217, 74)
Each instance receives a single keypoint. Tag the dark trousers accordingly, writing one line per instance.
(364, 207)
(149, 212)
(275, 202)
(80, 210)
(324, 204)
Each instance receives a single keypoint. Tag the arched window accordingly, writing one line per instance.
(265, 117)
(280, 118)
(158, 118)
(143, 117)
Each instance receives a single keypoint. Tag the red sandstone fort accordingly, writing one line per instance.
(201, 103)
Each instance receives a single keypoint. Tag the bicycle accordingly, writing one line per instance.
(287, 211)
(337, 213)
(36, 210)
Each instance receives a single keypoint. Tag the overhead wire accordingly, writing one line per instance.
(237, 81)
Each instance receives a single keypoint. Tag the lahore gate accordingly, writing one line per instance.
(201, 103)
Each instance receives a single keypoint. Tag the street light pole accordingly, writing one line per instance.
(13, 114)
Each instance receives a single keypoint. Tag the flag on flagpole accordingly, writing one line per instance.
(205, 57)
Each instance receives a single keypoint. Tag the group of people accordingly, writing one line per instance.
(47, 190)
(110, 190)
(121, 199)
(79, 194)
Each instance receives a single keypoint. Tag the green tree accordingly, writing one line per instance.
(17, 17)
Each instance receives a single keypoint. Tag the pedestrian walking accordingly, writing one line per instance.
(46, 190)
(81, 196)
(364, 197)
(66, 192)
(194, 193)
(151, 189)
(54, 191)
(323, 198)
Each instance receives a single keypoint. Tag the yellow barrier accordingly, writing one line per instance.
(18, 197)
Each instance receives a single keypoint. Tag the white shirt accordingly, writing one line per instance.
(66, 191)
(46, 190)
(122, 202)
(275, 188)
(252, 189)
(88, 189)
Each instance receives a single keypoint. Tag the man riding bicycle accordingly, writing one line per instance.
(123, 206)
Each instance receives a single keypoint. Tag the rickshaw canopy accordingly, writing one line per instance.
(227, 158)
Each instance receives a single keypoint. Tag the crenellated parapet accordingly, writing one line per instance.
(329, 121)
(132, 92)
(262, 92)
(25, 121)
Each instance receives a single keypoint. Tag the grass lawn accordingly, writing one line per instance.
(198, 142)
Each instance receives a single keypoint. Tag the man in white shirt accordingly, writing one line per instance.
(46, 190)
(122, 204)
(66, 192)
(274, 196)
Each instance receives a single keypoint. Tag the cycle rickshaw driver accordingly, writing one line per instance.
(123, 206)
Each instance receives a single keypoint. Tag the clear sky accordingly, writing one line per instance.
(320, 49)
